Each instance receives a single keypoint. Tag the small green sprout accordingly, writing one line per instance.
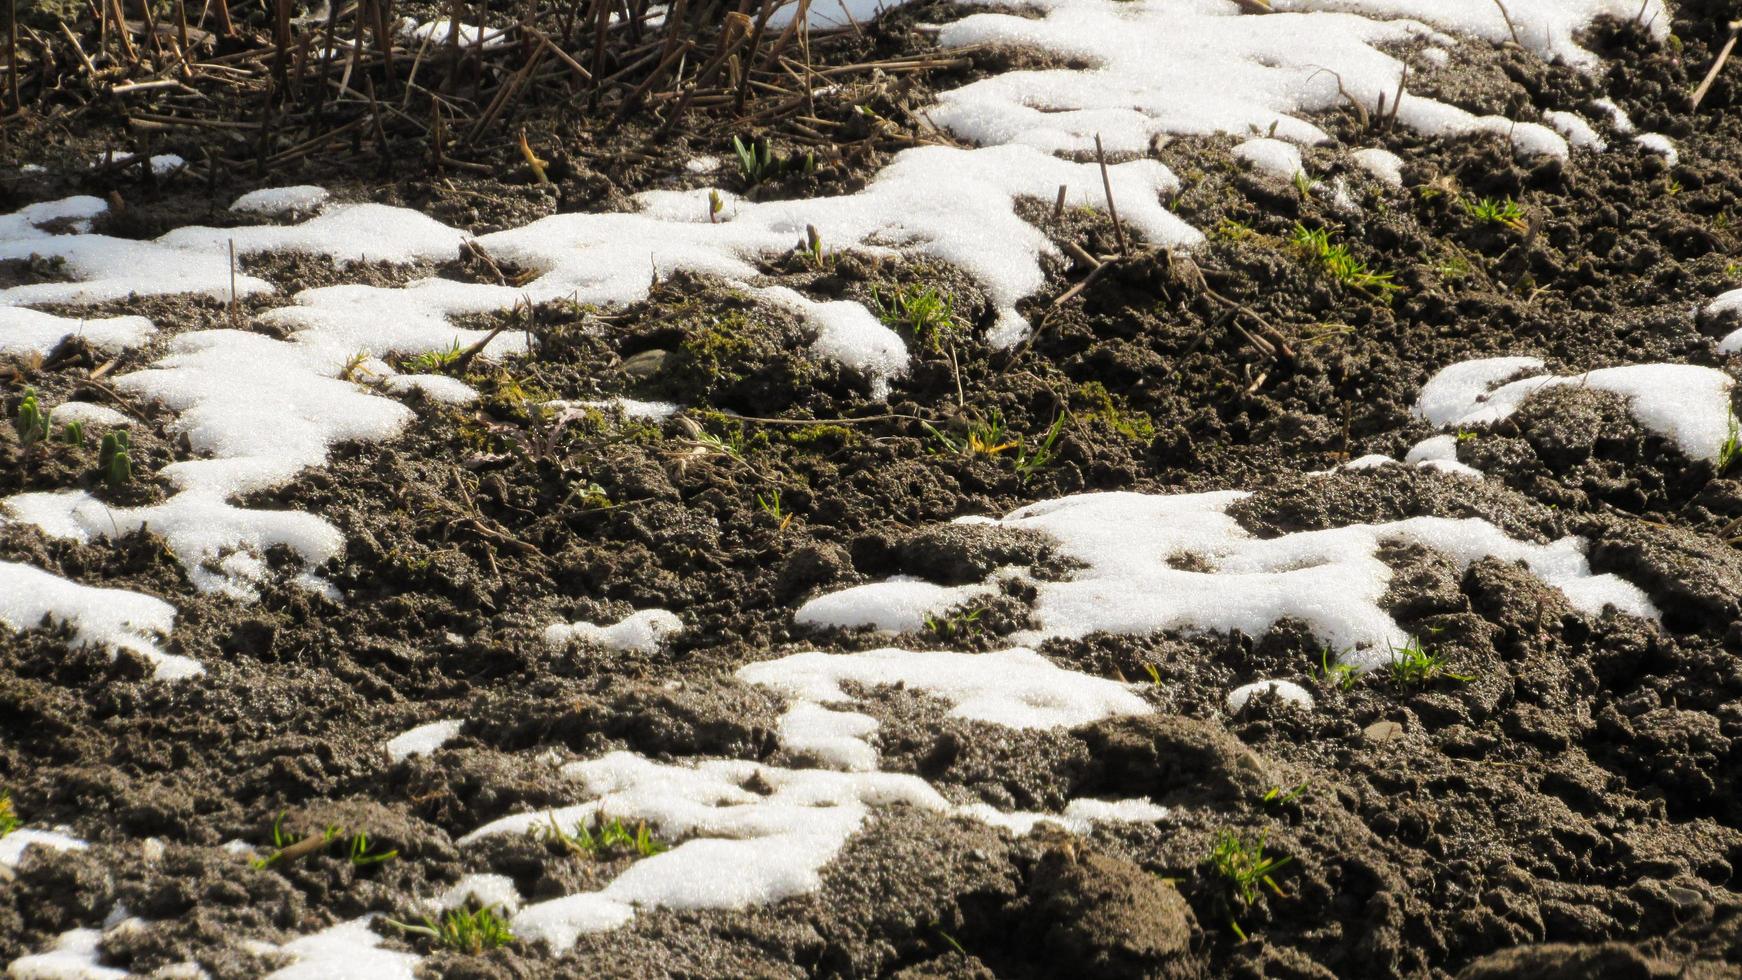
(604, 836)
(1154, 675)
(1334, 258)
(31, 422)
(1731, 450)
(1244, 867)
(1029, 464)
(716, 204)
(436, 361)
(1303, 185)
(1413, 665)
(772, 506)
(360, 852)
(758, 161)
(954, 625)
(1278, 796)
(812, 252)
(8, 815)
(987, 438)
(1467, 435)
(927, 312)
(114, 459)
(465, 930)
(72, 434)
(1333, 672)
(1504, 212)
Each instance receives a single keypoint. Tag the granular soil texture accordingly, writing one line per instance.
(1566, 805)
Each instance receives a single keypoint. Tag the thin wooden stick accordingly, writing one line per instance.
(1107, 186)
(1717, 66)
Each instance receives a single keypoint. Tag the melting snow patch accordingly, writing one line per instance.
(900, 604)
(25, 331)
(1383, 164)
(1685, 403)
(439, 32)
(484, 891)
(423, 739)
(756, 834)
(1546, 27)
(113, 619)
(76, 955)
(13, 845)
(1286, 690)
(1272, 156)
(642, 632)
(1330, 579)
(278, 200)
(1015, 688)
(1618, 118)
(90, 413)
(347, 951)
(1659, 144)
(1196, 67)
(1577, 131)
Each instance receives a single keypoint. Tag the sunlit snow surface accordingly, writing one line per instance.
(1134, 578)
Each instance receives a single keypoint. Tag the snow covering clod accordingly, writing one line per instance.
(900, 604)
(278, 200)
(13, 845)
(1185, 67)
(1271, 156)
(751, 834)
(1686, 404)
(112, 619)
(1014, 688)
(1332, 580)
(29, 331)
(342, 952)
(423, 739)
(642, 632)
(1287, 691)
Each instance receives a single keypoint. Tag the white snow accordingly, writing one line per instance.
(113, 619)
(1381, 163)
(436, 387)
(641, 632)
(13, 845)
(23, 330)
(1577, 131)
(347, 951)
(1272, 156)
(702, 164)
(90, 413)
(1685, 403)
(1286, 690)
(424, 739)
(1659, 144)
(1196, 67)
(1016, 688)
(1545, 27)
(1727, 302)
(484, 891)
(751, 834)
(1331, 579)
(632, 408)
(278, 200)
(75, 955)
(1618, 118)
(439, 32)
(896, 605)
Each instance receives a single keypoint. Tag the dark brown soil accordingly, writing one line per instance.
(1572, 809)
